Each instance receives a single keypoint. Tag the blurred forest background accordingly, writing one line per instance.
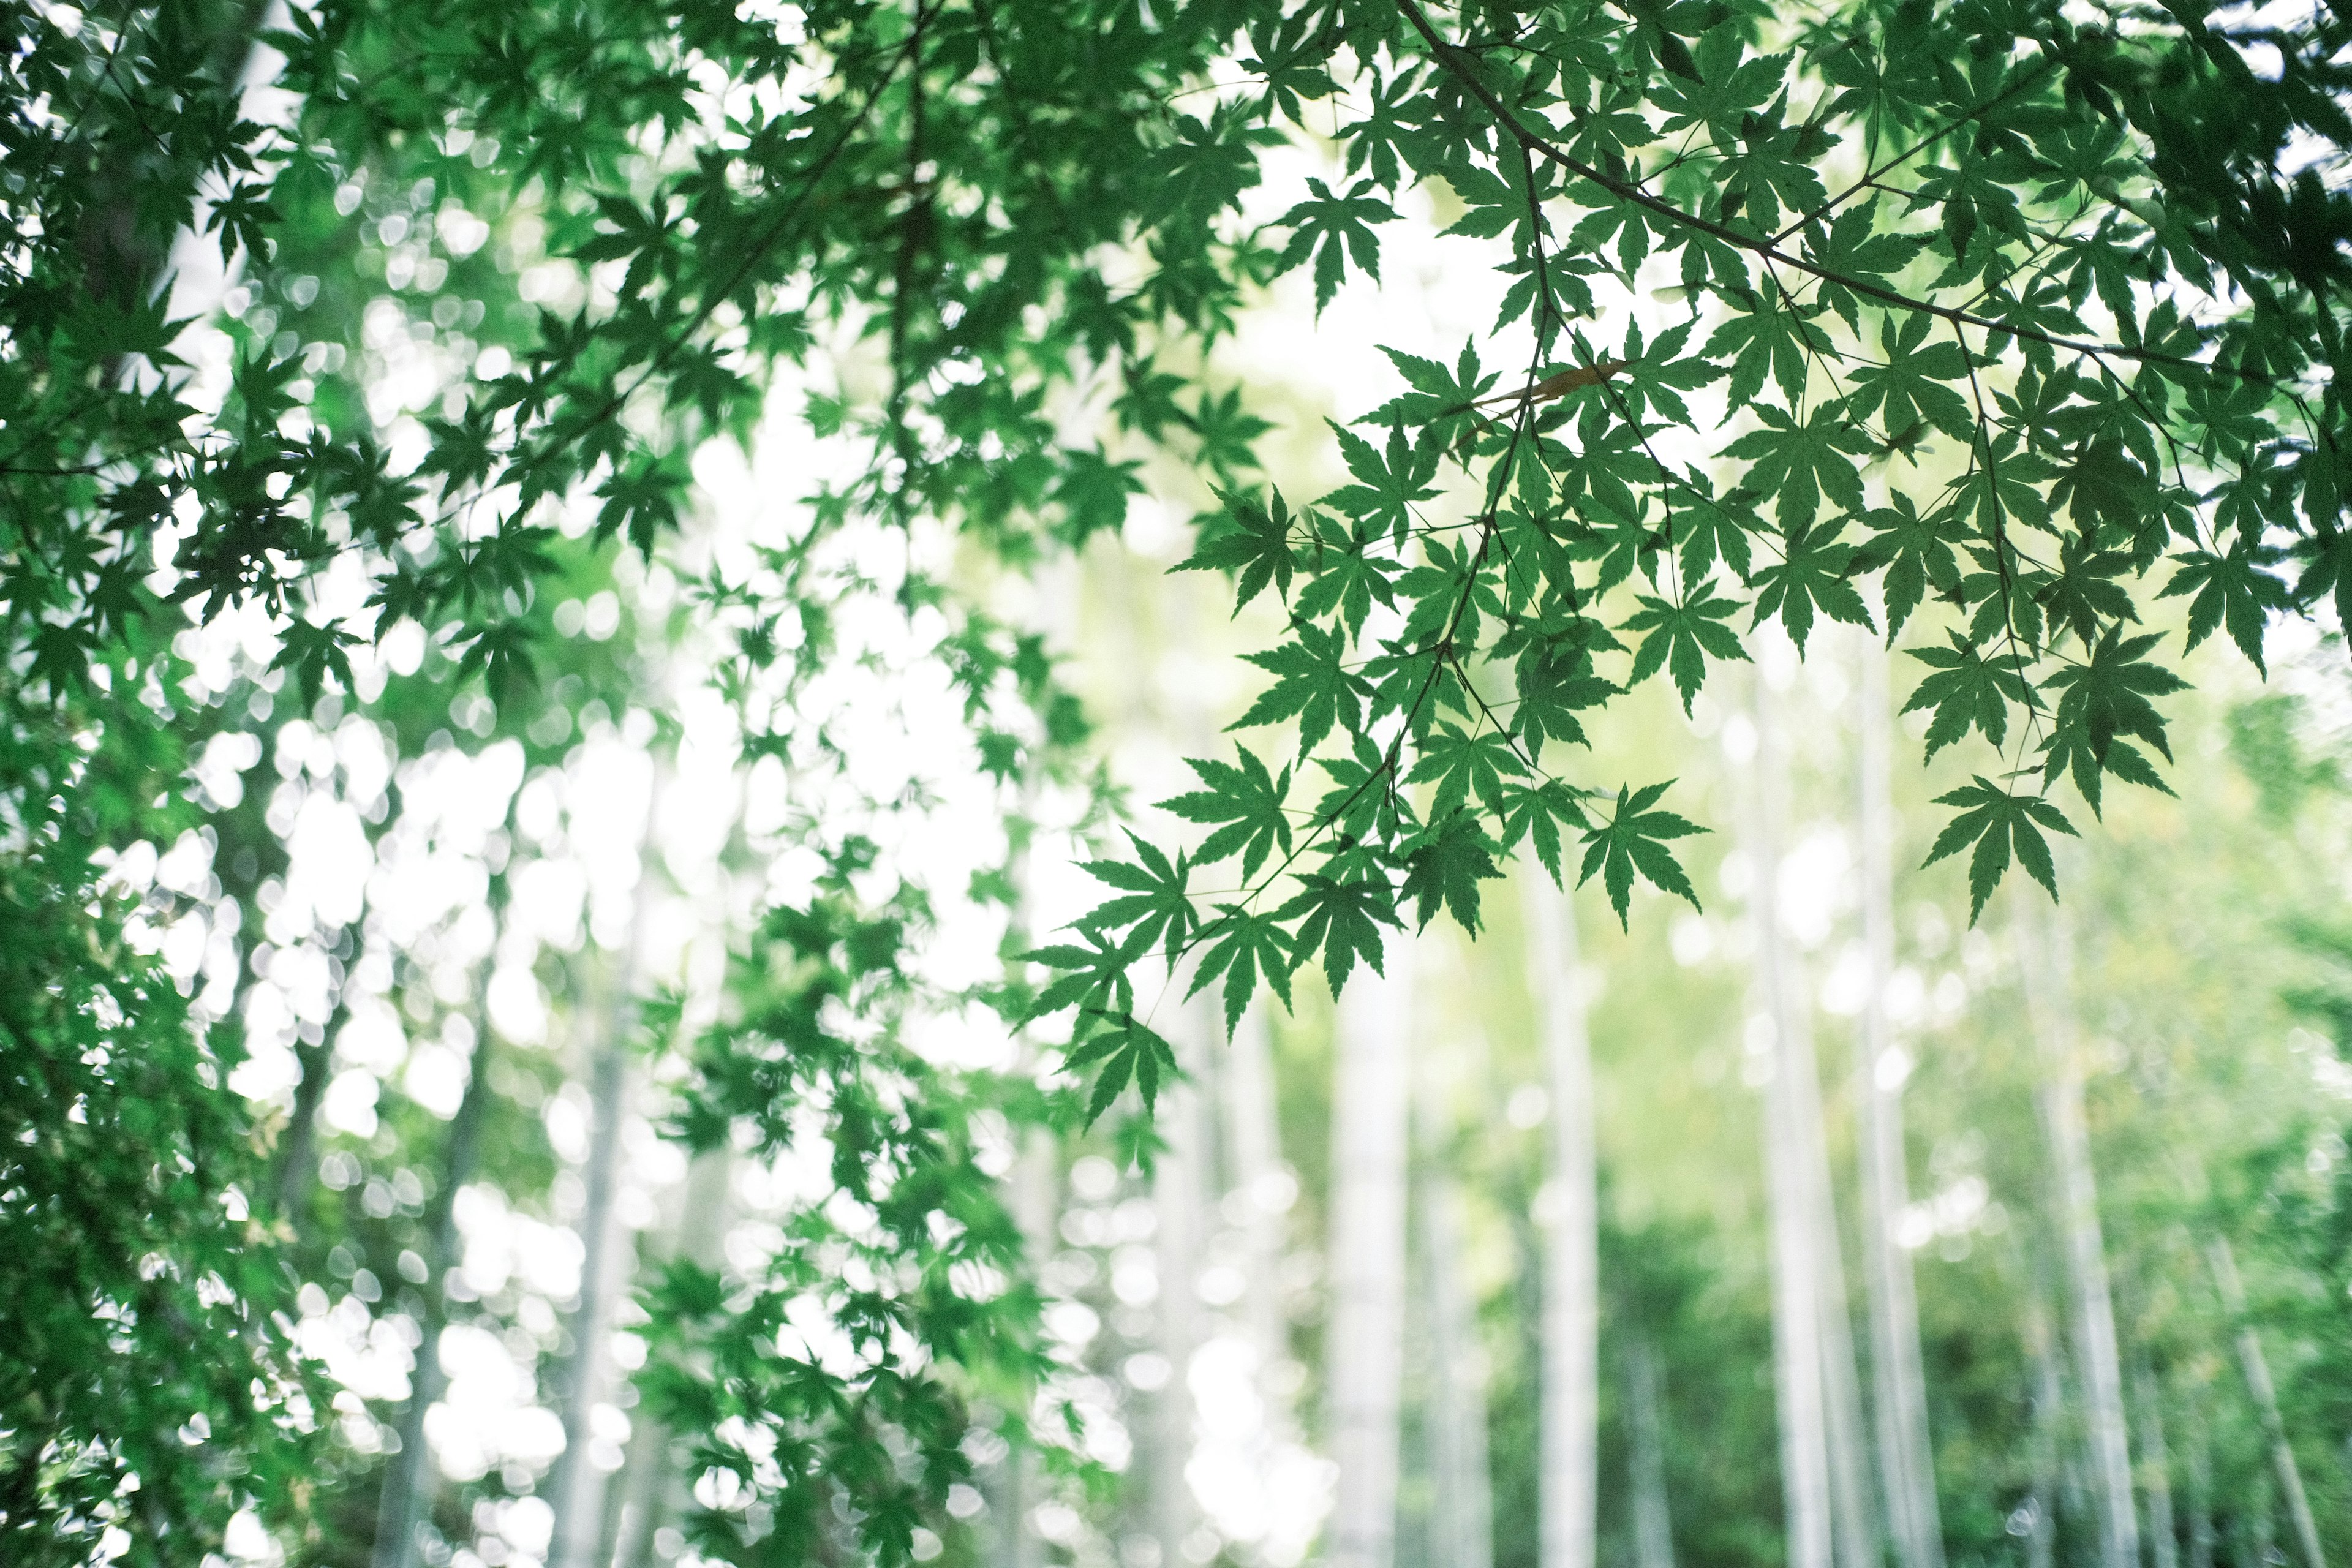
(2029, 1242)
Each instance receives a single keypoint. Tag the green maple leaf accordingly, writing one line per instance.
(1995, 821)
(1147, 405)
(1767, 339)
(265, 387)
(1092, 977)
(243, 216)
(1914, 552)
(1343, 918)
(117, 595)
(1681, 636)
(2108, 694)
(61, 657)
(2330, 568)
(1536, 811)
(1908, 387)
(101, 330)
(510, 558)
(1656, 375)
(1634, 840)
(641, 501)
(2086, 594)
(501, 654)
(1463, 764)
(1155, 897)
(1361, 803)
(1445, 867)
(1120, 1047)
(1093, 491)
(2231, 590)
(1240, 945)
(1244, 804)
(1967, 690)
(464, 450)
(2068, 749)
(1439, 397)
(1723, 78)
(1706, 530)
(1553, 685)
(1227, 430)
(1188, 183)
(1345, 576)
(1495, 200)
(1800, 463)
(2104, 485)
(1618, 542)
(1813, 574)
(408, 592)
(1315, 684)
(313, 652)
(1249, 538)
(1374, 140)
(1291, 54)
(1854, 249)
(1390, 488)
(1341, 228)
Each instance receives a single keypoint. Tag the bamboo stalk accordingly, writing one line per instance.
(2156, 1465)
(2049, 1406)
(2257, 1369)
(1462, 1526)
(1571, 1411)
(1841, 1519)
(1253, 1136)
(576, 1486)
(1364, 1343)
(1653, 1531)
(2044, 963)
(1179, 1183)
(1898, 1379)
(402, 1505)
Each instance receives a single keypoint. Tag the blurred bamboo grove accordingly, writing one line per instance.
(555, 1077)
(1819, 1212)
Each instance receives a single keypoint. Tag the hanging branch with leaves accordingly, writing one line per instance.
(2145, 409)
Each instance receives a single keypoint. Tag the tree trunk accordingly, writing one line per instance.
(1364, 1332)
(1898, 1380)
(1253, 1137)
(2049, 1407)
(2156, 1462)
(576, 1487)
(127, 271)
(1178, 1185)
(2257, 1370)
(1824, 1474)
(651, 1487)
(1033, 1187)
(2256, 1532)
(1568, 1489)
(1654, 1534)
(297, 1165)
(296, 1157)
(1462, 1522)
(2200, 1493)
(401, 1506)
(1034, 1198)
(2044, 963)
(1796, 1352)
(1849, 1437)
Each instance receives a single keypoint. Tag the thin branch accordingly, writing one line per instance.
(1451, 60)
